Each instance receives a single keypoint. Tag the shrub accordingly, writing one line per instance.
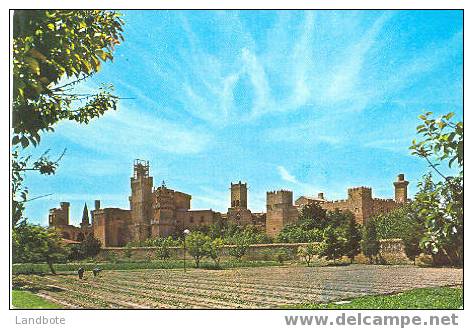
(283, 254)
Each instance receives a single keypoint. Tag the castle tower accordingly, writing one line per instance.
(141, 200)
(280, 211)
(400, 189)
(85, 217)
(360, 200)
(239, 195)
(59, 216)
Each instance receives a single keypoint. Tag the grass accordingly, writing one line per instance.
(136, 265)
(22, 299)
(421, 298)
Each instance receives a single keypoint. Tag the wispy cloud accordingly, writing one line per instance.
(301, 187)
(285, 175)
(136, 133)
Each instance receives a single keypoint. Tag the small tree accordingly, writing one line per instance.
(370, 243)
(197, 244)
(33, 243)
(163, 247)
(90, 246)
(353, 239)
(214, 250)
(307, 252)
(240, 247)
(283, 254)
(333, 246)
(128, 251)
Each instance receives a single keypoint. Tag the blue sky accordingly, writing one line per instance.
(312, 101)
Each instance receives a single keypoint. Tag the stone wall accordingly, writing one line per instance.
(392, 251)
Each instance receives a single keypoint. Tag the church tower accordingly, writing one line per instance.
(85, 217)
(141, 200)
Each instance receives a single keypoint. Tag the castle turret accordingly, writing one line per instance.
(239, 195)
(141, 200)
(59, 216)
(280, 211)
(400, 189)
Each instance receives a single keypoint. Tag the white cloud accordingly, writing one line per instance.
(285, 175)
(136, 133)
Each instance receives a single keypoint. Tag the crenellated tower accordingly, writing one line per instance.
(239, 195)
(280, 211)
(141, 200)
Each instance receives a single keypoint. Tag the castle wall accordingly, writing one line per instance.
(112, 226)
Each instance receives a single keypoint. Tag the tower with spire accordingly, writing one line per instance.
(85, 217)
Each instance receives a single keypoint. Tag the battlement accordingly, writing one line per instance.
(237, 184)
(359, 188)
(279, 197)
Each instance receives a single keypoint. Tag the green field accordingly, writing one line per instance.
(26, 300)
(354, 286)
(422, 298)
(136, 265)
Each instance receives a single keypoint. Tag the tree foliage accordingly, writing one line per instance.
(196, 244)
(52, 51)
(440, 202)
(36, 244)
(333, 246)
(370, 244)
(214, 250)
(90, 246)
(307, 252)
(352, 239)
(241, 243)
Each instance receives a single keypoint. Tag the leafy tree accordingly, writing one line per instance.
(163, 247)
(312, 216)
(307, 252)
(214, 250)
(402, 223)
(53, 51)
(352, 238)
(370, 244)
(197, 244)
(440, 203)
(333, 246)
(240, 247)
(33, 244)
(90, 246)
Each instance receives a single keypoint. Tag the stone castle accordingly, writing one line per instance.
(162, 212)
